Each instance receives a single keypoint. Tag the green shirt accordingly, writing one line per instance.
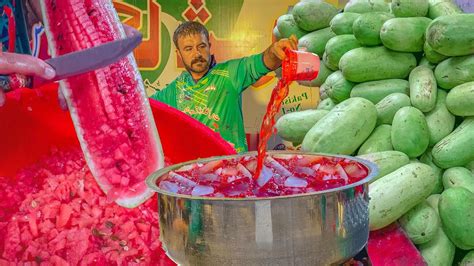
(216, 99)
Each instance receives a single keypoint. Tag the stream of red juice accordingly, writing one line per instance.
(279, 93)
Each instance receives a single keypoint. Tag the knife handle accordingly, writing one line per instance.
(14, 81)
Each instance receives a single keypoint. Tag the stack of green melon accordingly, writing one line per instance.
(397, 88)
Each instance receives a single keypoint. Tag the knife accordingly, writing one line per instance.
(83, 61)
(79, 62)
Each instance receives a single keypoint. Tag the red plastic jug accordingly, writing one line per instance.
(300, 65)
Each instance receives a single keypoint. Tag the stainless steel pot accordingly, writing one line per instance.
(319, 228)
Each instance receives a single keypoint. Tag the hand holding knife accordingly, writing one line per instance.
(75, 63)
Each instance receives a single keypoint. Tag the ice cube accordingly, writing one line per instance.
(244, 170)
(329, 177)
(328, 169)
(169, 186)
(316, 167)
(229, 171)
(284, 156)
(234, 178)
(209, 177)
(342, 173)
(239, 189)
(265, 176)
(295, 182)
(202, 190)
(210, 166)
(305, 171)
(355, 171)
(251, 165)
(280, 169)
(308, 160)
(185, 168)
(247, 158)
(181, 179)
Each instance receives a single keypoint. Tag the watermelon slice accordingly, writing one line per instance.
(109, 107)
(391, 246)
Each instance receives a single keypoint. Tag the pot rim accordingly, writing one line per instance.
(152, 179)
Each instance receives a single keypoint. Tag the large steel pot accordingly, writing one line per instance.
(319, 228)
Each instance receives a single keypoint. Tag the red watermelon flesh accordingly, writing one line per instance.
(54, 213)
(109, 107)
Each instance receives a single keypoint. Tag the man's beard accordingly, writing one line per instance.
(198, 65)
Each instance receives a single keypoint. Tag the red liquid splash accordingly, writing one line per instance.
(297, 65)
(278, 95)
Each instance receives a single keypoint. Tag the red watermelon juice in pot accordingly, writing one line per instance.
(268, 175)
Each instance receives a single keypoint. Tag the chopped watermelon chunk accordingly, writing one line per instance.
(60, 216)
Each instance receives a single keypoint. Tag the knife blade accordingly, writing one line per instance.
(86, 60)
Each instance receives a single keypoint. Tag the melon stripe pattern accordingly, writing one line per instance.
(109, 107)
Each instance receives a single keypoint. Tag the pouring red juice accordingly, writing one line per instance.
(264, 175)
(297, 65)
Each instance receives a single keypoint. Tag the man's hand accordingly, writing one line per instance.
(11, 63)
(274, 54)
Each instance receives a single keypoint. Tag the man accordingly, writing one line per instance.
(212, 93)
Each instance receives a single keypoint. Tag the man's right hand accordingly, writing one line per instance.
(274, 55)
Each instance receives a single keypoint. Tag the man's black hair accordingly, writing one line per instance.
(189, 28)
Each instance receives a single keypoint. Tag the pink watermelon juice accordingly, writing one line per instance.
(297, 65)
(281, 174)
(279, 93)
(109, 107)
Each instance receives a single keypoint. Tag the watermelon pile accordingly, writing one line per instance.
(109, 107)
(397, 88)
(54, 212)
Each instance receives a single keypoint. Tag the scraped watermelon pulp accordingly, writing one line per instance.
(109, 108)
(54, 212)
(281, 175)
